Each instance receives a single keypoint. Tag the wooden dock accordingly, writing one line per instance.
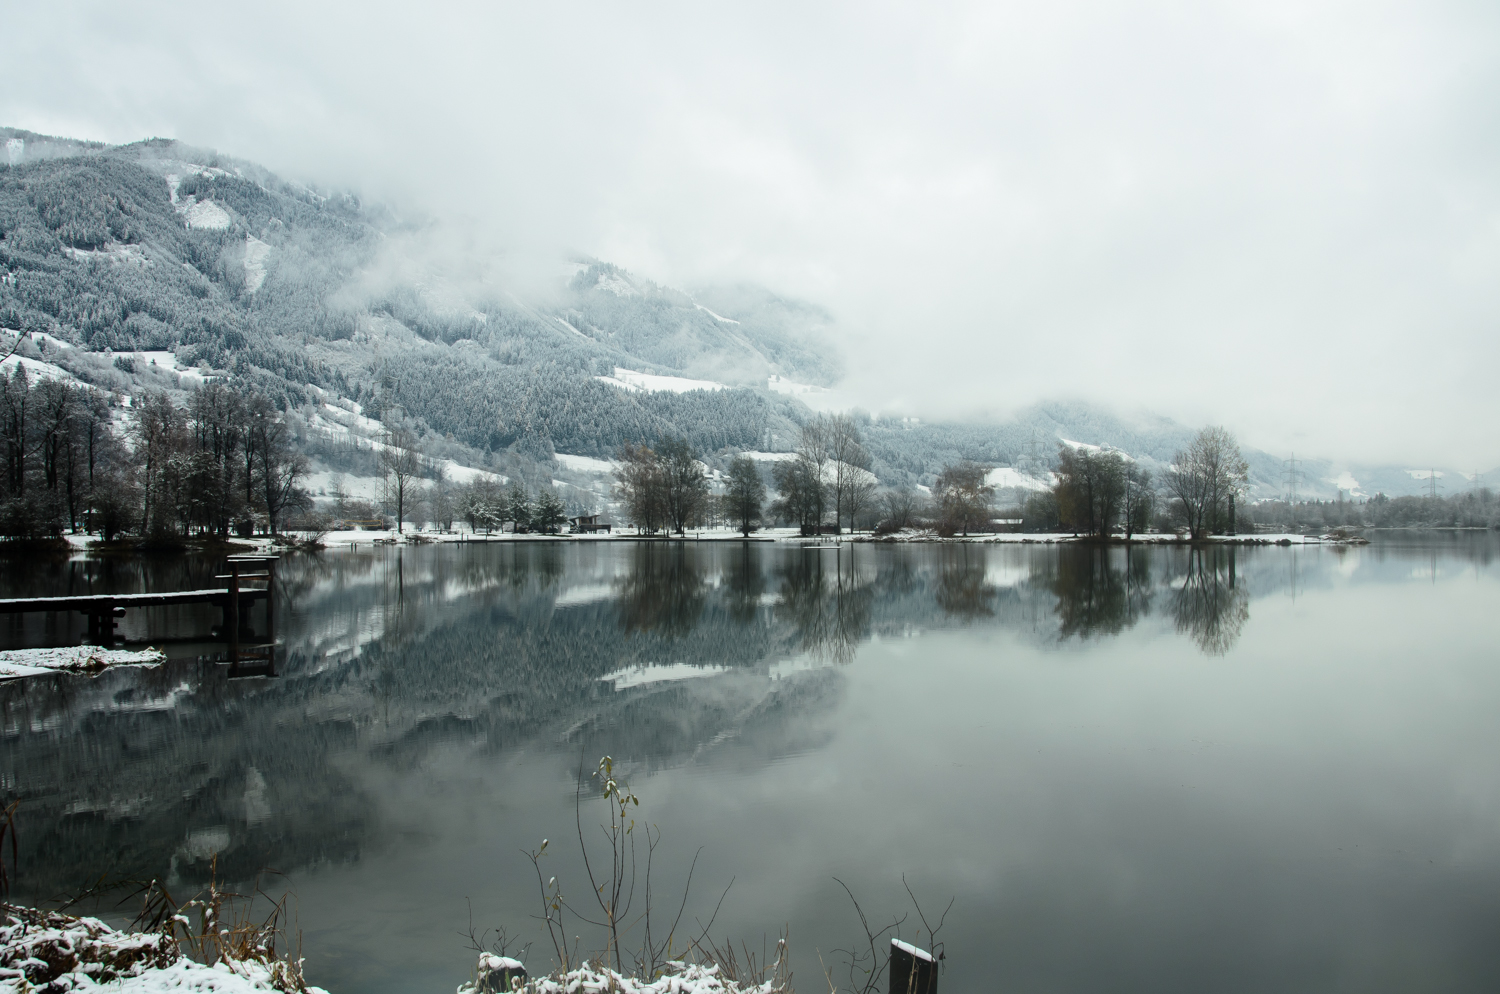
(243, 645)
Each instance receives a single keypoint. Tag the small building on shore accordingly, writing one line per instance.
(587, 524)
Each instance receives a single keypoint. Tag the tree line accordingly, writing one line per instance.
(209, 468)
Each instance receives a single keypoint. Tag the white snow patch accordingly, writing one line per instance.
(639, 676)
(203, 214)
(771, 456)
(630, 379)
(913, 950)
(676, 978)
(572, 329)
(72, 658)
(1007, 478)
(42, 338)
(112, 252)
(36, 369)
(617, 285)
(29, 938)
(15, 150)
(167, 362)
(586, 464)
(256, 253)
(717, 317)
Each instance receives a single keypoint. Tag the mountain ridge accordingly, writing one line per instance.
(161, 246)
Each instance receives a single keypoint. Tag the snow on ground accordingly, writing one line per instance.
(167, 362)
(204, 214)
(617, 285)
(572, 329)
(458, 473)
(629, 379)
(256, 254)
(676, 978)
(15, 150)
(717, 317)
(1007, 478)
(823, 399)
(111, 252)
(320, 484)
(640, 676)
(72, 658)
(36, 369)
(57, 952)
(771, 456)
(41, 338)
(586, 464)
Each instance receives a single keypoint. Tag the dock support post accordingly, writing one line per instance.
(232, 616)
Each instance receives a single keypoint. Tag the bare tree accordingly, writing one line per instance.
(280, 470)
(852, 482)
(640, 486)
(964, 496)
(746, 492)
(901, 506)
(1206, 478)
(686, 483)
(815, 451)
(1139, 501)
(401, 466)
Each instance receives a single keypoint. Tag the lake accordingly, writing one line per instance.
(1149, 770)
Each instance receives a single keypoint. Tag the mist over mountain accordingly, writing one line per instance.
(207, 266)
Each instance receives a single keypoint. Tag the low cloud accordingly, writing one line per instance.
(1276, 217)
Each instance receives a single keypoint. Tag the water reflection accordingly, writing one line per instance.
(1208, 606)
(963, 589)
(826, 601)
(666, 654)
(663, 590)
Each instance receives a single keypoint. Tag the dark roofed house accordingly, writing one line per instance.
(588, 524)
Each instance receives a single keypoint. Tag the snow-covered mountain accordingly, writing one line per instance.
(157, 265)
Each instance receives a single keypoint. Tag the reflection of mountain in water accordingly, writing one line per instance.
(659, 653)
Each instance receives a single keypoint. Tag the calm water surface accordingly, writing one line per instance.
(1268, 769)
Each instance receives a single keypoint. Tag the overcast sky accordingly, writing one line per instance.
(1279, 216)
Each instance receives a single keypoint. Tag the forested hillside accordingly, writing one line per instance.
(159, 246)
(313, 298)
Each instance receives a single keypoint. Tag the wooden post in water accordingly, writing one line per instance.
(271, 616)
(232, 616)
(912, 970)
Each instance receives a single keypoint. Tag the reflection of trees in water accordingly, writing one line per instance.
(1099, 591)
(664, 590)
(963, 590)
(1209, 606)
(744, 583)
(822, 598)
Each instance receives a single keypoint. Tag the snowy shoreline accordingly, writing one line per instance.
(92, 659)
(56, 951)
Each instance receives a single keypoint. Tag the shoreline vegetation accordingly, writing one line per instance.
(237, 943)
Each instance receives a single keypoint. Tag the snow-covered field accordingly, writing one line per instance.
(586, 464)
(204, 214)
(629, 379)
(1006, 478)
(72, 658)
